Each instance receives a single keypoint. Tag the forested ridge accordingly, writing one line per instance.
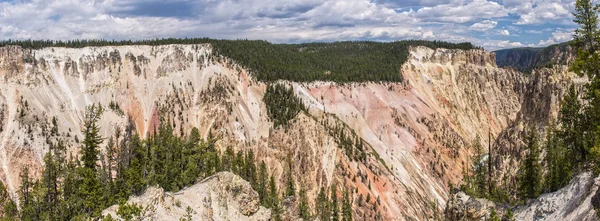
(528, 59)
(350, 61)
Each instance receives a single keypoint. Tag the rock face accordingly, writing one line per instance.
(572, 202)
(223, 196)
(540, 107)
(418, 132)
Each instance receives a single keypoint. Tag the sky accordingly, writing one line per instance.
(492, 24)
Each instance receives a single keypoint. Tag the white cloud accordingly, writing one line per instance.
(284, 20)
(463, 13)
(557, 37)
(540, 11)
(502, 44)
(483, 25)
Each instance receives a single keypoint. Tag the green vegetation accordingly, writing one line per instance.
(129, 211)
(71, 188)
(8, 208)
(476, 177)
(475, 183)
(303, 209)
(530, 172)
(282, 104)
(80, 188)
(338, 61)
(581, 120)
(522, 59)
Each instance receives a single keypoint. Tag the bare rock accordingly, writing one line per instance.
(464, 207)
(223, 196)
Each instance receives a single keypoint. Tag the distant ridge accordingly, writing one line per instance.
(527, 59)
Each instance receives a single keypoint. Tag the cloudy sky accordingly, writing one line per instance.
(493, 24)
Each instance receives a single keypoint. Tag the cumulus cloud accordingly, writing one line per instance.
(558, 37)
(417, 3)
(287, 21)
(462, 13)
(483, 25)
(540, 11)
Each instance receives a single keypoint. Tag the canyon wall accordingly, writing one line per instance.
(418, 132)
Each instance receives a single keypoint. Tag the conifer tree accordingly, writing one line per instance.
(50, 184)
(571, 121)
(530, 172)
(250, 169)
(262, 187)
(480, 168)
(275, 209)
(91, 190)
(8, 208)
(25, 188)
(587, 62)
(347, 207)
(290, 186)
(323, 205)
(334, 207)
(558, 160)
(303, 208)
(92, 138)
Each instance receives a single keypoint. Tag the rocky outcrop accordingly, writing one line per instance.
(464, 207)
(572, 202)
(223, 196)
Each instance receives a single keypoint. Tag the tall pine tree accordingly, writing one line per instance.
(91, 190)
(530, 172)
(587, 62)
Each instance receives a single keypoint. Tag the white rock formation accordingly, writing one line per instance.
(223, 196)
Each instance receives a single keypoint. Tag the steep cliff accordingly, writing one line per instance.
(522, 59)
(417, 132)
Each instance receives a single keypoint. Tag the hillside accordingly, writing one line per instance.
(522, 59)
(400, 145)
(528, 59)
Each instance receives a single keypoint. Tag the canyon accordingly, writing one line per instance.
(418, 132)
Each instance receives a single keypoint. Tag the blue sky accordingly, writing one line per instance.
(493, 24)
